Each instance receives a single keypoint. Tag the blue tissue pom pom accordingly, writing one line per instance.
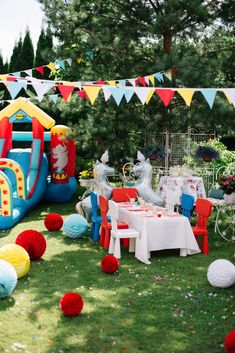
(8, 279)
(75, 226)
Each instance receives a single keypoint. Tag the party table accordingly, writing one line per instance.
(189, 185)
(159, 229)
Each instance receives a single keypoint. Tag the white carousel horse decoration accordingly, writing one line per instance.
(144, 185)
(102, 186)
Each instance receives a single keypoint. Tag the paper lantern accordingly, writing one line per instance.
(75, 226)
(229, 342)
(17, 257)
(221, 273)
(109, 264)
(8, 279)
(53, 222)
(71, 304)
(33, 242)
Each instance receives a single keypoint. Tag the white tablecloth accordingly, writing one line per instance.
(165, 232)
(188, 185)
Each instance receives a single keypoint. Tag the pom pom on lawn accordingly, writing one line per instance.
(53, 222)
(109, 264)
(221, 273)
(75, 226)
(229, 342)
(71, 304)
(8, 279)
(17, 257)
(33, 242)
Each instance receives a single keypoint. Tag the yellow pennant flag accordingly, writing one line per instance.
(150, 94)
(112, 83)
(187, 95)
(51, 66)
(92, 92)
(3, 77)
(151, 79)
(79, 59)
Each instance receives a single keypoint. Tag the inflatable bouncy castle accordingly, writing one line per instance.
(24, 174)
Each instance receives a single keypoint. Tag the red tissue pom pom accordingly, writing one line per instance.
(71, 304)
(229, 342)
(109, 264)
(33, 242)
(53, 222)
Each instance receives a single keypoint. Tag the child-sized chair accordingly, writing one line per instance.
(124, 194)
(117, 234)
(187, 202)
(204, 210)
(96, 220)
(105, 225)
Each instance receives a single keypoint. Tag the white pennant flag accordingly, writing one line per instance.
(107, 92)
(146, 78)
(69, 61)
(132, 81)
(41, 89)
(142, 93)
(29, 72)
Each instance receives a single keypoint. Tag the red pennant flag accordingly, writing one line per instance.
(40, 69)
(142, 81)
(100, 82)
(11, 78)
(166, 95)
(65, 91)
(82, 94)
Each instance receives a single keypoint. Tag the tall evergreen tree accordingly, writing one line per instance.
(44, 51)
(2, 67)
(27, 55)
(15, 61)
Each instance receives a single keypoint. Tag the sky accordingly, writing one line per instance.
(16, 15)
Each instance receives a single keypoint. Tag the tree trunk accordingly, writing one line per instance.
(167, 42)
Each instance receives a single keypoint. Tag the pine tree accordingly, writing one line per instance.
(15, 61)
(1, 64)
(27, 56)
(39, 57)
(44, 51)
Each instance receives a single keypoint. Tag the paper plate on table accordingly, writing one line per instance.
(135, 208)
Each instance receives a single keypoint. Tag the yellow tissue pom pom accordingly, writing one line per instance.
(17, 257)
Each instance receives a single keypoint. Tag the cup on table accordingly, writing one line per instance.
(132, 201)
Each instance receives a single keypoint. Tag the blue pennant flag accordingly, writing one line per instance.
(117, 93)
(122, 82)
(128, 94)
(209, 95)
(17, 74)
(159, 76)
(61, 63)
(89, 54)
(53, 97)
(14, 88)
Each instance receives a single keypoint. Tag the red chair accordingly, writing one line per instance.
(124, 194)
(105, 225)
(204, 210)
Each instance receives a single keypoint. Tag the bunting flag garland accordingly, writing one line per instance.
(92, 92)
(142, 93)
(107, 92)
(150, 94)
(117, 93)
(209, 95)
(128, 94)
(187, 95)
(41, 90)
(14, 88)
(166, 95)
(66, 91)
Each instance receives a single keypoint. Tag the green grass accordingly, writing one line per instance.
(167, 306)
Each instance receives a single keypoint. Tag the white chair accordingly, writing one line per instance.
(171, 199)
(117, 234)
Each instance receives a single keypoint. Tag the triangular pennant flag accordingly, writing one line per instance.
(187, 95)
(53, 97)
(129, 93)
(150, 94)
(79, 59)
(166, 95)
(51, 66)
(65, 91)
(41, 89)
(112, 83)
(159, 76)
(17, 74)
(14, 88)
(122, 82)
(24, 83)
(152, 80)
(142, 93)
(142, 81)
(82, 94)
(132, 81)
(168, 74)
(100, 82)
(230, 94)
(117, 93)
(29, 72)
(78, 85)
(107, 92)
(69, 61)
(11, 78)
(146, 80)
(61, 64)
(209, 95)
(92, 92)
(40, 69)
(89, 54)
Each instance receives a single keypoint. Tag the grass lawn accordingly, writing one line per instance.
(167, 306)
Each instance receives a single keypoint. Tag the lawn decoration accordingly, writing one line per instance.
(53, 222)
(144, 185)
(206, 153)
(221, 273)
(229, 342)
(21, 192)
(75, 226)
(109, 264)
(71, 304)
(8, 279)
(17, 257)
(33, 242)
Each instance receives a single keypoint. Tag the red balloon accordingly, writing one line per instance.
(109, 264)
(33, 242)
(71, 304)
(229, 342)
(53, 222)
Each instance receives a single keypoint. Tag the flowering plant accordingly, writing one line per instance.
(86, 174)
(227, 183)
